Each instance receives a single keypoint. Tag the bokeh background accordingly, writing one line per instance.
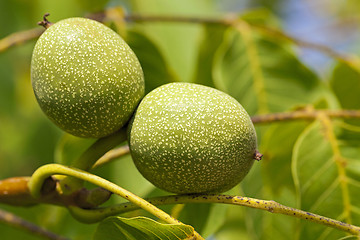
(28, 139)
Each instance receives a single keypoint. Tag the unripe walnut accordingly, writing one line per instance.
(189, 138)
(86, 79)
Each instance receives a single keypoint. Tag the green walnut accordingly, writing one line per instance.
(85, 77)
(189, 138)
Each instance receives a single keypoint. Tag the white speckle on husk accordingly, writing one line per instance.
(188, 138)
(85, 77)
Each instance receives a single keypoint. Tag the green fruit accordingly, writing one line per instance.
(188, 138)
(85, 77)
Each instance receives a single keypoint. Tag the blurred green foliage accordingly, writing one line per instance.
(264, 73)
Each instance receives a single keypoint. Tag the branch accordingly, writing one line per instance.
(351, 60)
(304, 115)
(15, 221)
(44, 172)
(95, 215)
(233, 20)
(229, 20)
(15, 192)
(89, 158)
(111, 155)
(19, 38)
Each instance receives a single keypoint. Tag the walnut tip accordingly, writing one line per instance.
(257, 155)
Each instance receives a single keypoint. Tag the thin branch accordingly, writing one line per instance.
(19, 38)
(112, 155)
(15, 192)
(271, 206)
(351, 60)
(228, 20)
(98, 149)
(304, 115)
(233, 20)
(90, 156)
(340, 162)
(15, 221)
(45, 171)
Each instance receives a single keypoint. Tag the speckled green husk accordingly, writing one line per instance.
(188, 138)
(85, 78)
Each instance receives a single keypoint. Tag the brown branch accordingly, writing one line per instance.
(351, 60)
(15, 191)
(304, 115)
(232, 20)
(19, 38)
(15, 221)
(229, 20)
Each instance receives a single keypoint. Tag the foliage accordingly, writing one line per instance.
(310, 164)
(140, 228)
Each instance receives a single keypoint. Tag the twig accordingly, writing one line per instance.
(111, 155)
(305, 115)
(99, 148)
(15, 192)
(45, 171)
(94, 215)
(351, 60)
(45, 22)
(15, 221)
(233, 20)
(229, 20)
(90, 156)
(19, 38)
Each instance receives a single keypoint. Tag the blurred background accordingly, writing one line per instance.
(28, 139)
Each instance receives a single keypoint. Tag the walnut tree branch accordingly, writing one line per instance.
(19, 38)
(111, 155)
(15, 191)
(228, 20)
(305, 115)
(95, 215)
(15, 221)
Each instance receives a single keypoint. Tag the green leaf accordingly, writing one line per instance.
(215, 219)
(156, 70)
(206, 53)
(196, 215)
(326, 171)
(345, 83)
(212, 38)
(141, 228)
(178, 41)
(261, 73)
(276, 146)
(204, 217)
